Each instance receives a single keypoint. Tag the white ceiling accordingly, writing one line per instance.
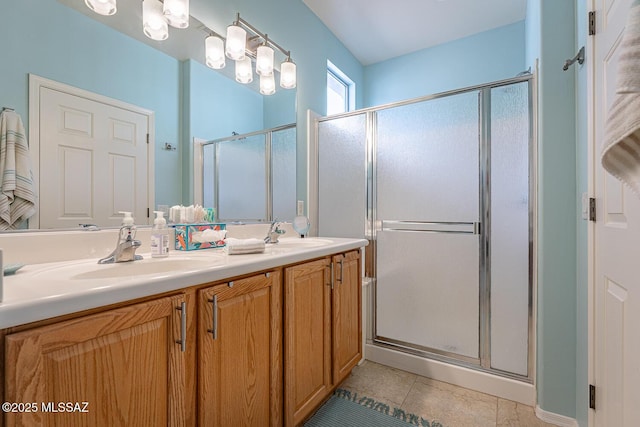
(377, 30)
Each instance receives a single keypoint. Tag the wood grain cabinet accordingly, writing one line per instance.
(128, 364)
(322, 330)
(240, 352)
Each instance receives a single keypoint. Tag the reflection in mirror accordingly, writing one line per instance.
(259, 164)
(66, 42)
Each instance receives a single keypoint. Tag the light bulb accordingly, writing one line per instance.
(288, 74)
(153, 23)
(267, 84)
(236, 42)
(264, 61)
(244, 73)
(102, 7)
(214, 52)
(177, 13)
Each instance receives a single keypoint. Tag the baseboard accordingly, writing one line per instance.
(557, 419)
(494, 385)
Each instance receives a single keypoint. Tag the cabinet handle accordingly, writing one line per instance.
(267, 275)
(331, 276)
(183, 326)
(341, 268)
(230, 284)
(214, 309)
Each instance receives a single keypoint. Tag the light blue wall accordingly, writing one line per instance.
(45, 38)
(582, 314)
(553, 40)
(485, 57)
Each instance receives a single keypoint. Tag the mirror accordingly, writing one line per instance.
(66, 42)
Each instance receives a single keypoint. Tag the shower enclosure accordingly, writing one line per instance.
(442, 187)
(249, 177)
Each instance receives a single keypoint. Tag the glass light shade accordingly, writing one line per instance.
(102, 7)
(176, 13)
(153, 23)
(214, 52)
(236, 42)
(288, 74)
(267, 84)
(264, 61)
(244, 72)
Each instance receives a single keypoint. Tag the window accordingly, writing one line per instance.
(340, 91)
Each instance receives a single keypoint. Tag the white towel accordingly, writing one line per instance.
(243, 246)
(17, 195)
(621, 148)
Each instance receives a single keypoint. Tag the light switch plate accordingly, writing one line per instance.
(300, 208)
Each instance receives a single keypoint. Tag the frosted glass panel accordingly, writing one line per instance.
(428, 160)
(509, 244)
(283, 170)
(208, 176)
(241, 172)
(342, 177)
(427, 290)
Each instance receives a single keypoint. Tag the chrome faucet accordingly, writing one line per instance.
(274, 232)
(125, 247)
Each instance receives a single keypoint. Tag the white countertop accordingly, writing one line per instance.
(46, 290)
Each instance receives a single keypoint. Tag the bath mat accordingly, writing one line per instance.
(348, 409)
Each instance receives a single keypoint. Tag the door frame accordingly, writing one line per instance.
(36, 83)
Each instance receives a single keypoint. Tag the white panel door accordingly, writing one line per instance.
(616, 248)
(93, 161)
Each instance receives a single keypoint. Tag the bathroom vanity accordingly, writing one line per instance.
(206, 339)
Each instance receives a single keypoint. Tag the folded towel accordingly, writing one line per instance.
(17, 195)
(244, 246)
(621, 148)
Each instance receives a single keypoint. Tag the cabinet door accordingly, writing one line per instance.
(347, 314)
(127, 364)
(240, 353)
(307, 336)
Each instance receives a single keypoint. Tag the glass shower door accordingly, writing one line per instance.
(427, 213)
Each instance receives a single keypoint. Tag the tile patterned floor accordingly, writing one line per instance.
(438, 401)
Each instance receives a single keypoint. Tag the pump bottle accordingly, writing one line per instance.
(159, 236)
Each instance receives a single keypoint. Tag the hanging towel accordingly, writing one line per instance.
(621, 148)
(17, 195)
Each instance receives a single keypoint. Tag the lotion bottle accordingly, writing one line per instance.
(159, 236)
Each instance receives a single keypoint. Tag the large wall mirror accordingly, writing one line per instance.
(65, 42)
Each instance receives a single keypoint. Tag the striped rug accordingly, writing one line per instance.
(348, 409)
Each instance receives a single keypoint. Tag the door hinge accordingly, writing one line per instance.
(592, 209)
(592, 396)
(148, 212)
(592, 23)
(148, 138)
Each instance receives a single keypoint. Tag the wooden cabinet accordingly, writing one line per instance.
(322, 330)
(346, 311)
(240, 352)
(128, 364)
(307, 337)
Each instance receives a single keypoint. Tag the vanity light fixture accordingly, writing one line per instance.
(236, 41)
(214, 52)
(264, 60)
(288, 79)
(102, 7)
(267, 84)
(154, 23)
(244, 73)
(177, 13)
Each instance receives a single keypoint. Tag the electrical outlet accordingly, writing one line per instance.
(300, 208)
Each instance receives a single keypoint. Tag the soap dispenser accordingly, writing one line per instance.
(159, 236)
(128, 218)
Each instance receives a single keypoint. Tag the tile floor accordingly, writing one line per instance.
(450, 405)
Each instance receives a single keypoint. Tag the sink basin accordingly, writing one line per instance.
(148, 266)
(289, 244)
